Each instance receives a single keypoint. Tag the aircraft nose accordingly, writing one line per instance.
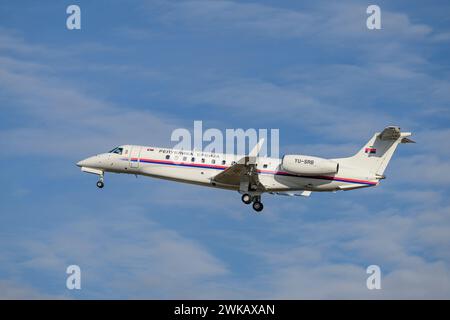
(91, 162)
(80, 163)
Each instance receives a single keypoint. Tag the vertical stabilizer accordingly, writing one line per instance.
(377, 152)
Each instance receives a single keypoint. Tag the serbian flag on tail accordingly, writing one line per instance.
(371, 150)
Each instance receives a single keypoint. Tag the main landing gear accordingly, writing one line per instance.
(246, 198)
(257, 205)
(100, 182)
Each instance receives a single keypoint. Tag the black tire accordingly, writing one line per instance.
(246, 198)
(257, 206)
(100, 184)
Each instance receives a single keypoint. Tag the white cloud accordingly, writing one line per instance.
(254, 17)
(64, 118)
(126, 255)
(329, 257)
(301, 250)
(10, 40)
(443, 36)
(12, 290)
(422, 169)
(292, 105)
(322, 21)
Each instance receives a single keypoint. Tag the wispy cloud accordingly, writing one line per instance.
(312, 70)
(65, 116)
(159, 263)
(11, 290)
(320, 21)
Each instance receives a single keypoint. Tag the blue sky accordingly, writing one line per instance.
(137, 70)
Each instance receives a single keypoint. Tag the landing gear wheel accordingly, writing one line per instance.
(246, 198)
(100, 184)
(257, 206)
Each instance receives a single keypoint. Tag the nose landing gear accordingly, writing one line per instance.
(100, 183)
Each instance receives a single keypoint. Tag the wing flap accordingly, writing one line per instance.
(243, 174)
(232, 175)
(303, 193)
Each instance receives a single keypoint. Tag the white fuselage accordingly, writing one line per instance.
(198, 167)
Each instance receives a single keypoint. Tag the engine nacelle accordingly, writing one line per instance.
(307, 165)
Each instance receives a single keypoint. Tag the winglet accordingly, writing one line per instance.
(257, 148)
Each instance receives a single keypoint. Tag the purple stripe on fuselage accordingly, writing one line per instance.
(279, 173)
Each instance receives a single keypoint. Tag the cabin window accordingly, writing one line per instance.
(224, 162)
(213, 161)
(184, 158)
(265, 166)
(168, 157)
(117, 150)
(203, 160)
(192, 159)
(233, 163)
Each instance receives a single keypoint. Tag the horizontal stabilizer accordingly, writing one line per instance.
(407, 140)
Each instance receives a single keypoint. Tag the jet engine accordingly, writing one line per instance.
(307, 165)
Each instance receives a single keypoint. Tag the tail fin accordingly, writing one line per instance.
(375, 155)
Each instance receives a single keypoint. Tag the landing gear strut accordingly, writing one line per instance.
(100, 183)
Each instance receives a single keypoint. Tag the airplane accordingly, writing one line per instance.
(251, 175)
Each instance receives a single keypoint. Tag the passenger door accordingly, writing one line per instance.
(134, 157)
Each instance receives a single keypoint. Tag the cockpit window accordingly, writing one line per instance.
(117, 150)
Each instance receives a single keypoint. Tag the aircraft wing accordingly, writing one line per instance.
(232, 175)
(243, 173)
